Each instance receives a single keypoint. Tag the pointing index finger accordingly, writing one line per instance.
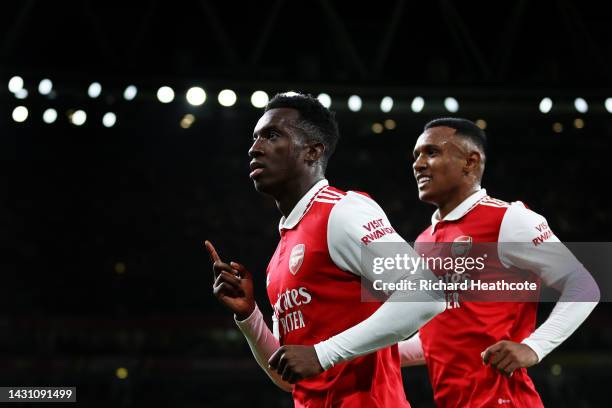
(212, 251)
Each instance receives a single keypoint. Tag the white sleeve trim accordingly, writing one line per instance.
(262, 343)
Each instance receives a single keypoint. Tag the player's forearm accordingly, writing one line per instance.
(391, 323)
(411, 352)
(262, 343)
(579, 296)
(562, 322)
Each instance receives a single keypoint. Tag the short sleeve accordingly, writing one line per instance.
(527, 242)
(354, 223)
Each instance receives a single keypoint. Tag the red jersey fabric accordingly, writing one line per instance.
(453, 340)
(313, 299)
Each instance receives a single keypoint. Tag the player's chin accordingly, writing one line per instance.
(261, 186)
(426, 195)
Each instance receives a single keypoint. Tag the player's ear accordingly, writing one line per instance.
(314, 151)
(473, 162)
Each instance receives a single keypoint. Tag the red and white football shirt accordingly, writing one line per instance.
(314, 286)
(453, 340)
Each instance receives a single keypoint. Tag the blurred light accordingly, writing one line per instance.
(20, 114)
(78, 117)
(354, 103)
(481, 123)
(451, 104)
(94, 90)
(581, 105)
(120, 268)
(121, 373)
(325, 99)
(21, 93)
(187, 121)
(165, 94)
(555, 369)
(196, 96)
(259, 99)
(45, 86)
(557, 127)
(130, 92)
(290, 93)
(546, 105)
(386, 104)
(578, 123)
(417, 104)
(390, 124)
(377, 128)
(109, 119)
(227, 97)
(15, 84)
(50, 115)
(609, 105)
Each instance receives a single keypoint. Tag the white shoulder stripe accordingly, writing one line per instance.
(330, 191)
(328, 196)
(322, 200)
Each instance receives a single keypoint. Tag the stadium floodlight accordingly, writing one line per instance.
(20, 114)
(259, 99)
(130, 92)
(325, 99)
(386, 104)
(451, 104)
(15, 84)
(354, 103)
(109, 119)
(546, 105)
(581, 105)
(94, 90)
(196, 96)
(78, 117)
(21, 93)
(227, 97)
(417, 105)
(45, 86)
(165, 94)
(49, 115)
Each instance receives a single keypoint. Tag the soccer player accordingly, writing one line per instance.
(477, 352)
(324, 338)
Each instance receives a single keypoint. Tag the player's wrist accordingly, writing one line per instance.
(241, 316)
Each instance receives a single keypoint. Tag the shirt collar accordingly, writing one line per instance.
(459, 211)
(302, 206)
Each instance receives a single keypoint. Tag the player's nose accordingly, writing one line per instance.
(256, 149)
(419, 164)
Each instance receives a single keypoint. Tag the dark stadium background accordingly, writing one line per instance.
(106, 286)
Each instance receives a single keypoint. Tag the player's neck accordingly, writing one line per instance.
(291, 197)
(456, 199)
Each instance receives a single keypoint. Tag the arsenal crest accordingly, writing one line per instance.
(296, 258)
(461, 246)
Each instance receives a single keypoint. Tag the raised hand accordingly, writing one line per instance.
(233, 285)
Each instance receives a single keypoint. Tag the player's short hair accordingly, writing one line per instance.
(317, 122)
(464, 128)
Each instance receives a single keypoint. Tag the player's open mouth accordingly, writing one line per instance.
(423, 180)
(256, 172)
(256, 169)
